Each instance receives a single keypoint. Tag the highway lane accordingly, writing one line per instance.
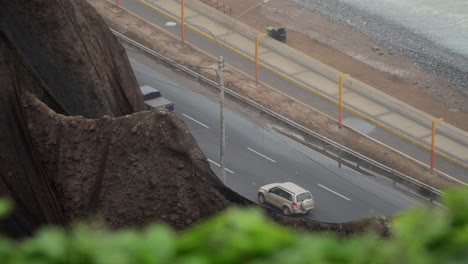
(323, 105)
(257, 155)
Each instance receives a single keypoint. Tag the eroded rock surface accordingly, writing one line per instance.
(73, 55)
(130, 170)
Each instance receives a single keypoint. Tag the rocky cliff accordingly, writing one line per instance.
(72, 55)
(73, 140)
(62, 52)
(129, 170)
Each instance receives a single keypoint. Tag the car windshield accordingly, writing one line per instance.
(303, 196)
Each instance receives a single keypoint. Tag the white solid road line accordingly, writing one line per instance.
(342, 196)
(196, 121)
(228, 170)
(261, 155)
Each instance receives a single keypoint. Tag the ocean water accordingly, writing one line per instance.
(443, 21)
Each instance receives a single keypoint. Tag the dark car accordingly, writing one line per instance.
(153, 98)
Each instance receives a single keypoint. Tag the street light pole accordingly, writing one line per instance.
(182, 19)
(221, 106)
(245, 11)
(340, 101)
(256, 55)
(221, 103)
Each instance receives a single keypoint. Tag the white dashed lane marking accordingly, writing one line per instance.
(196, 121)
(330, 190)
(226, 169)
(261, 155)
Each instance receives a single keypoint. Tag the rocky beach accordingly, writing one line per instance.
(423, 52)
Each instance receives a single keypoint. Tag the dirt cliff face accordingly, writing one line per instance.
(71, 51)
(22, 177)
(130, 170)
(63, 53)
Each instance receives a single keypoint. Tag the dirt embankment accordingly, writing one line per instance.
(63, 53)
(128, 171)
(165, 44)
(22, 177)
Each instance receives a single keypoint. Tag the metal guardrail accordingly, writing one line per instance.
(333, 74)
(341, 153)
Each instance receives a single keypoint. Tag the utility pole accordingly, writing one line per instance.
(182, 20)
(221, 106)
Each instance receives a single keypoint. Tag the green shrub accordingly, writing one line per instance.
(421, 235)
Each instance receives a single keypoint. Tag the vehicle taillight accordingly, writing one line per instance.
(294, 203)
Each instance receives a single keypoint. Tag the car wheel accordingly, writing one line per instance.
(261, 198)
(286, 210)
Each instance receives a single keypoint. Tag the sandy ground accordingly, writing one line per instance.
(358, 55)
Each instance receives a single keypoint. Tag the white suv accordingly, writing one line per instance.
(287, 196)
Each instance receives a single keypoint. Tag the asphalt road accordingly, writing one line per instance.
(256, 155)
(277, 82)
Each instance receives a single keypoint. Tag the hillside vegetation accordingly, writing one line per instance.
(421, 235)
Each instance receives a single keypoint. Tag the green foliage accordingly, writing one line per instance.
(5, 208)
(421, 235)
(434, 236)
